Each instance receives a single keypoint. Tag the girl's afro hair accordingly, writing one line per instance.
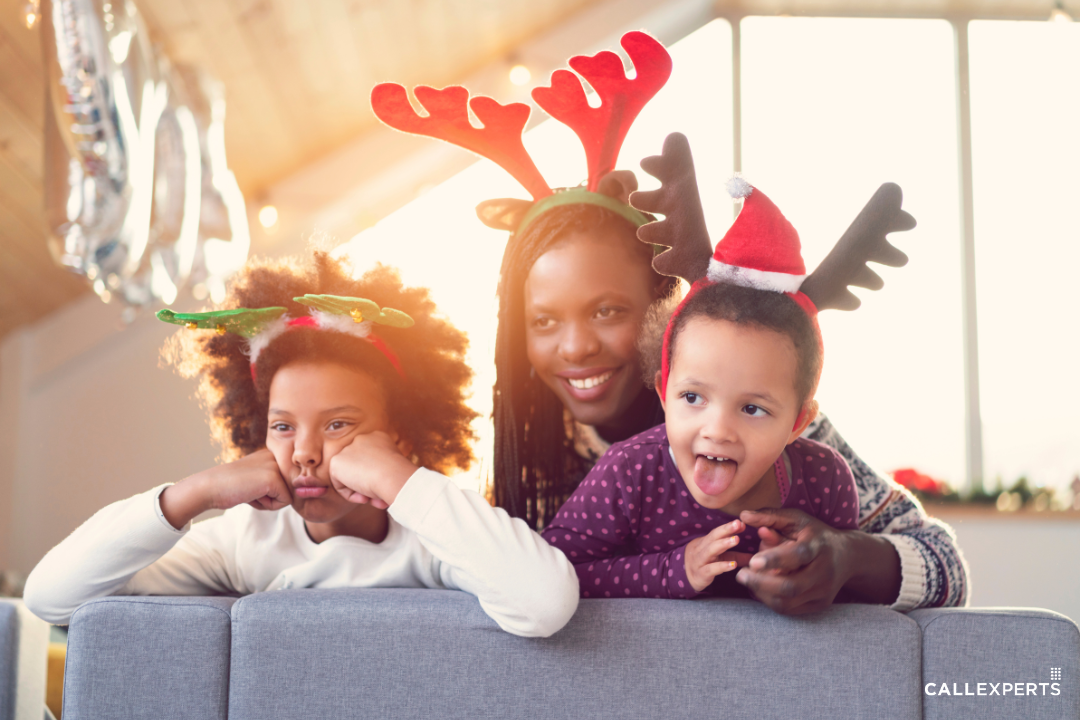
(427, 408)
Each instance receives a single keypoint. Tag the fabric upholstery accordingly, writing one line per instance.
(24, 642)
(963, 647)
(148, 657)
(430, 653)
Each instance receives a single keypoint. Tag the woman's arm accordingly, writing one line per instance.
(932, 570)
(899, 557)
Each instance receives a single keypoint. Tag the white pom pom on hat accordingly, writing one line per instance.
(738, 188)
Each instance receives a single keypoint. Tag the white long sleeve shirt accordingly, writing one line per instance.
(440, 536)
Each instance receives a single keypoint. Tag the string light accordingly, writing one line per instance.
(31, 13)
(268, 216)
(519, 75)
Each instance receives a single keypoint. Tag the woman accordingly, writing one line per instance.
(575, 285)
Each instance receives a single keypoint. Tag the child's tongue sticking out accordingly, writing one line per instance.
(713, 475)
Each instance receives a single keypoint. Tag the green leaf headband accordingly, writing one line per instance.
(260, 326)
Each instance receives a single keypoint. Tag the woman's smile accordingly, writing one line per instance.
(589, 384)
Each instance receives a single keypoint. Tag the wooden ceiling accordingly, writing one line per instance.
(297, 75)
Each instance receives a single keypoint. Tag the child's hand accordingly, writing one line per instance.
(707, 556)
(371, 469)
(253, 479)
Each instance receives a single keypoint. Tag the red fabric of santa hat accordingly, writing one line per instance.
(761, 249)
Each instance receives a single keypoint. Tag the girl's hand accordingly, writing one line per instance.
(253, 479)
(371, 469)
(708, 556)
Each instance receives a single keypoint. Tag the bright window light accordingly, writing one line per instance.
(1025, 108)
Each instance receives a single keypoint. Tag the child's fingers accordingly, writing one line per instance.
(718, 568)
(715, 548)
(726, 530)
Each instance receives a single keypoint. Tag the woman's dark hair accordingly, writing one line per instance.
(535, 468)
(427, 408)
(742, 306)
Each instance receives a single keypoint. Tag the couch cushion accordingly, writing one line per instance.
(148, 657)
(24, 642)
(434, 653)
(963, 647)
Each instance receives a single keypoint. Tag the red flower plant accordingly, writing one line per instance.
(914, 480)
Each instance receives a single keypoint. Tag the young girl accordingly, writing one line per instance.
(659, 513)
(342, 401)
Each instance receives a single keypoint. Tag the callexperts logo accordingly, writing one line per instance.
(1012, 689)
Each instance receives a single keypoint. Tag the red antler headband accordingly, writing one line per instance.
(761, 249)
(601, 129)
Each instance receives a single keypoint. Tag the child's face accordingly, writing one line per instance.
(731, 409)
(584, 301)
(315, 411)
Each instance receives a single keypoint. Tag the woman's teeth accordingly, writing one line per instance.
(591, 382)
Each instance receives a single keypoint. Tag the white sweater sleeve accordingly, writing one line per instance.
(129, 548)
(527, 586)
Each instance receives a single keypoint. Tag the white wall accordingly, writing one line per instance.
(1023, 560)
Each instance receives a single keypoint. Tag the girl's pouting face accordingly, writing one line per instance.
(731, 408)
(315, 411)
(584, 302)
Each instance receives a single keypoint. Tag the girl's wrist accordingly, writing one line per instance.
(395, 478)
(183, 502)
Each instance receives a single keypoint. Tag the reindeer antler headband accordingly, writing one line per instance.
(761, 249)
(331, 313)
(601, 129)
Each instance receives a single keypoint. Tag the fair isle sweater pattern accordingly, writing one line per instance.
(934, 571)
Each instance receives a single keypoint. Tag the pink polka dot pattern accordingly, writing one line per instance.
(649, 517)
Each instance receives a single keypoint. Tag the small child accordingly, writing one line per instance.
(334, 408)
(738, 365)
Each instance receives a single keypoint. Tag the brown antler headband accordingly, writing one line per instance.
(691, 256)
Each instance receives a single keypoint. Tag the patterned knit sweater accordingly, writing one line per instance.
(933, 571)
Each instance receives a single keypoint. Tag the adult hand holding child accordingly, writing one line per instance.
(803, 563)
(710, 555)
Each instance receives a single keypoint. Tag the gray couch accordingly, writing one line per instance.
(24, 657)
(435, 654)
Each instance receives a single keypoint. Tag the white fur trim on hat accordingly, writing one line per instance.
(738, 187)
(325, 321)
(759, 279)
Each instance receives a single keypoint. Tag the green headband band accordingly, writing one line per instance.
(581, 196)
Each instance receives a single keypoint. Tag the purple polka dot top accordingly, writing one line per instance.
(626, 525)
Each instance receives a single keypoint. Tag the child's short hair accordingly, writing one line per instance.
(427, 407)
(742, 306)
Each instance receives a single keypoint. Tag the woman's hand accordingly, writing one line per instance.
(371, 469)
(708, 556)
(253, 479)
(803, 563)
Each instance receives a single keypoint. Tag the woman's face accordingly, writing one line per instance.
(585, 299)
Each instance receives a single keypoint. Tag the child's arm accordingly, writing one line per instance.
(528, 587)
(131, 547)
(596, 528)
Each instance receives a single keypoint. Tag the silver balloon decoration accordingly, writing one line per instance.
(138, 196)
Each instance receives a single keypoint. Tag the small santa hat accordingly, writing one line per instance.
(761, 248)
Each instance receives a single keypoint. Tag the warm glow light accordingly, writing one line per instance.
(31, 14)
(519, 75)
(268, 216)
(1058, 14)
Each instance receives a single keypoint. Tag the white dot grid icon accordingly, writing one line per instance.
(1055, 673)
